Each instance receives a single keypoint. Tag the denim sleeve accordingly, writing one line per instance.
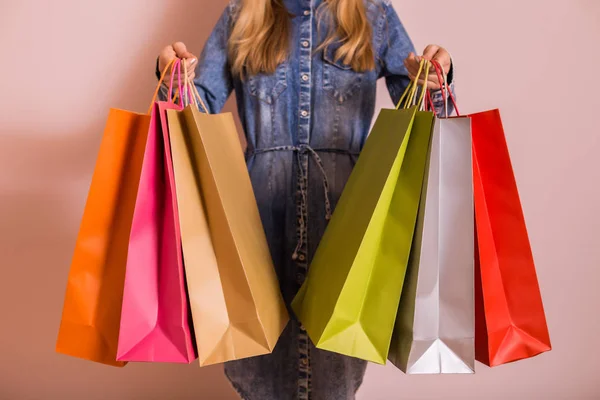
(213, 74)
(395, 47)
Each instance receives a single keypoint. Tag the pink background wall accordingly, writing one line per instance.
(65, 62)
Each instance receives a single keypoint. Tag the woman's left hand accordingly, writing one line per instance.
(431, 52)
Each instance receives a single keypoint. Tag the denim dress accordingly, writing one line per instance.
(305, 125)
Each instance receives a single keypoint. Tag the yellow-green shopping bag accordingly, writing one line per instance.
(349, 300)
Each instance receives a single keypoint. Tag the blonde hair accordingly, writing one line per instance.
(259, 40)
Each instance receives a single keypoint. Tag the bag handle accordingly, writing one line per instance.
(160, 82)
(410, 89)
(190, 93)
(421, 102)
(410, 93)
(442, 77)
(183, 92)
(429, 102)
(175, 69)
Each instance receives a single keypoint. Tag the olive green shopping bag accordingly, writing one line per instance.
(349, 300)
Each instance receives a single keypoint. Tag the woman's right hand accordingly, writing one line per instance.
(178, 50)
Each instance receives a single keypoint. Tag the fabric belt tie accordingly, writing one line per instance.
(301, 150)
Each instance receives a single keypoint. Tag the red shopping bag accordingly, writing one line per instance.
(510, 319)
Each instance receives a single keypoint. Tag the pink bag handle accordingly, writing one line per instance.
(188, 93)
(176, 68)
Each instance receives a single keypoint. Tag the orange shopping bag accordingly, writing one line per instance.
(89, 328)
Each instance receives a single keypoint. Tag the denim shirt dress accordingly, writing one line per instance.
(305, 126)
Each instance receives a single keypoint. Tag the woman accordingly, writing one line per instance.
(304, 74)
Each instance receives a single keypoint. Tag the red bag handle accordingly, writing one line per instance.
(428, 102)
(441, 77)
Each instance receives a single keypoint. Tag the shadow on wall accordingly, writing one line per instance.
(46, 164)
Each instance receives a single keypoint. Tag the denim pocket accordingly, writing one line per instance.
(268, 87)
(340, 81)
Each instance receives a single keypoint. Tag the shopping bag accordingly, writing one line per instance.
(434, 331)
(236, 304)
(90, 321)
(510, 320)
(154, 316)
(349, 300)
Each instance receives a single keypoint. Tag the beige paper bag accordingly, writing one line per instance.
(236, 303)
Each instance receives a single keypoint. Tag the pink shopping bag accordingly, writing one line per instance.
(155, 322)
